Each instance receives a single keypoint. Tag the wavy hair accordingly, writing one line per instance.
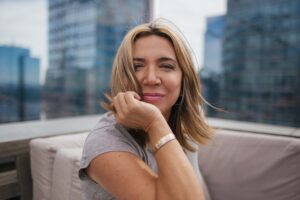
(186, 120)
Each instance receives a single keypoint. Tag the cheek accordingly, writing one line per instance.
(177, 82)
(138, 77)
(175, 85)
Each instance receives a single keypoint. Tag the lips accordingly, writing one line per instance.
(149, 97)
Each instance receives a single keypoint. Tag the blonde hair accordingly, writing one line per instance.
(186, 120)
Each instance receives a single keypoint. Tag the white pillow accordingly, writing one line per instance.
(66, 184)
(42, 154)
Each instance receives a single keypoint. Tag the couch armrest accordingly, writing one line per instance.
(43, 152)
(243, 166)
(66, 183)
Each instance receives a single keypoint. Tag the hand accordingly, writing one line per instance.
(133, 113)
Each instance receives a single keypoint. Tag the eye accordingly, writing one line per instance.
(137, 66)
(167, 66)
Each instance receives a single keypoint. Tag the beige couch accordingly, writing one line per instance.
(236, 166)
(249, 166)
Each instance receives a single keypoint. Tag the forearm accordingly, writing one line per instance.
(176, 177)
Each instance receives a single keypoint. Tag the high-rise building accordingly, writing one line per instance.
(19, 85)
(213, 44)
(211, 71)
(83, 39)
(261, 62)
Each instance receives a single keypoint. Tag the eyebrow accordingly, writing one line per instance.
(159, 60)
(166, 59)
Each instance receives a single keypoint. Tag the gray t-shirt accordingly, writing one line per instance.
(108, 136)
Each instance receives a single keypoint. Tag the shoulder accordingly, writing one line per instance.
(105, 137)
(106, 128)
(106, 120)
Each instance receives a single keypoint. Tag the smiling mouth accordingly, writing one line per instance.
(152, 96)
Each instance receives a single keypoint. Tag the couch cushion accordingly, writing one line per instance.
(66, 183)
(42, 154)
(244, 166)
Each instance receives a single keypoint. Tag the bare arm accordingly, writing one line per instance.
(177, 178)
(127, 177)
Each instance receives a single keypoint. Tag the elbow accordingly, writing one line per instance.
(194, 194)
(186, 193)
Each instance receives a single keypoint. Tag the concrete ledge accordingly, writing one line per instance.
(12, 132)
(296, 133)
(34, 129)
(254, 127)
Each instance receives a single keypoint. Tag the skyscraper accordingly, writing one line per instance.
(213, 44)
(211, 72)
(83, 39)
(261, 62)
(19, 85)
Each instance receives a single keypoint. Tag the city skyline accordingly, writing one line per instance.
(31, 31)
(260, 62)
(249, 61)
(82, 47)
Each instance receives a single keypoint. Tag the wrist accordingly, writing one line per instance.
(162, 141)
(158, 129)
(157, 123)
(152, 122)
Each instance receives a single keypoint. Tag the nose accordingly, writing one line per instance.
(151, 77)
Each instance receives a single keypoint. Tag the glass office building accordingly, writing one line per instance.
(261, 62)
(211, 72)
(83, 39)
(20, 98)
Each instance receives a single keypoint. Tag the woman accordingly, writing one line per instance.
(145, 148)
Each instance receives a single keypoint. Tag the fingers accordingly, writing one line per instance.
(131, 99)
(136, 96)
(120, 104)
(133, 94)
(116, 104)
(131, 112)
(123, 101)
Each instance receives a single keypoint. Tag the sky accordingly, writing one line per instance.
(190, 17)
(24, 23)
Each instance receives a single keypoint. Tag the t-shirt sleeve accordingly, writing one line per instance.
(102, 140)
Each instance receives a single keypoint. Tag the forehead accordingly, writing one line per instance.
(153, 45)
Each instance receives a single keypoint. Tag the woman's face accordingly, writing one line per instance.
(158, 72)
